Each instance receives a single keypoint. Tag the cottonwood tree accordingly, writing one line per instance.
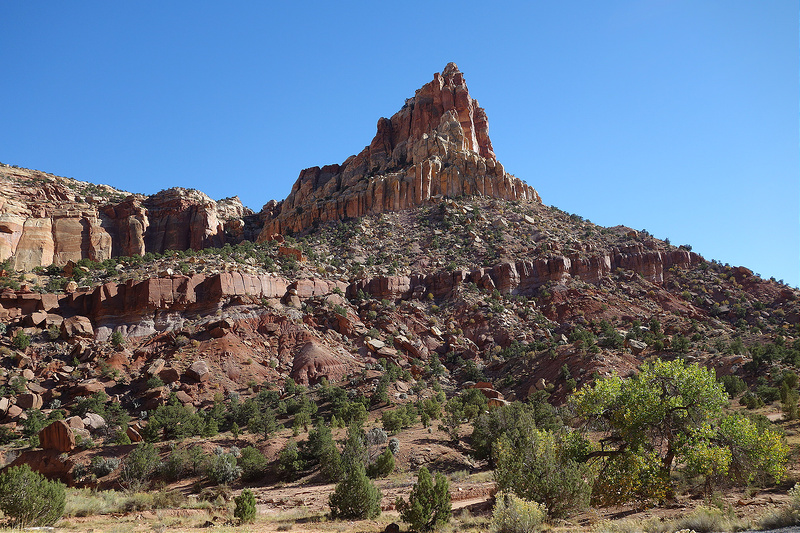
(670, 414)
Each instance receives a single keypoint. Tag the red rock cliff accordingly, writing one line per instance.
(437, 144)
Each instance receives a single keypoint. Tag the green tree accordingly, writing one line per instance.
(516, 420)
(324, 450)
(29, 499)
(669, 413)
(117, 339)
(253, 464)
(245, 509)
(289, 461)
(546, 467)
(428, 505)
(383, 465)
(355, 496)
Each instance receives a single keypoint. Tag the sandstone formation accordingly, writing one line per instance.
(57, 436)
(437, 144)
(47, 219)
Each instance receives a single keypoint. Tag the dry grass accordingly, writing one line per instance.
(87, 502)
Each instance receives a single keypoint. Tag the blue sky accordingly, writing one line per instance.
(679, 117)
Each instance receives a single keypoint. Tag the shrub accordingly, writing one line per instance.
(541, 468)
(253, 464)
(355, 496)
(117, 339)
(323, 449)
(29, 499)
(102, 466)
(515, 515)
(428, 506)
(139, 467)
(182, 462)
(222, 469)
(733, 384)
(786, 516)
(394, 445)
(21, 340)
(245, 506)
(289, 460)
(383, 465)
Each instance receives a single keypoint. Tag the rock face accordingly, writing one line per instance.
(314, 361)
(57, 436)
(437, 144)
(47, 219)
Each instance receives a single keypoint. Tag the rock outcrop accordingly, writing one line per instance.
(57, 436)
(437, 144)
(47, 219)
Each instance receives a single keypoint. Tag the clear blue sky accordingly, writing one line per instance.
(679, 117)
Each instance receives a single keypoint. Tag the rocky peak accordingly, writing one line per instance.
(437, 145)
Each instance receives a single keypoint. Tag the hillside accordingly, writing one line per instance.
(411, 272)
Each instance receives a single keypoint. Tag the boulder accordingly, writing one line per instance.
(77, 326)
(75, 422)
(199, 371)
(169, 375)
(94, 421)
(156, 367)
(57, 436)
(29, 401)
(635, 346)
(134, 435)
(315, 361)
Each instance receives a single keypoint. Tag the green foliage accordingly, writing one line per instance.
(289, 461)
(253, 464)
(183, 462)
(428, 505)
(245, 509)
(383, 465)
(671, 413)
(355, 497)
(396, 419)
(545, 467)
(758, 454)
(460, 409)
(515, 515)
(21, 340)
(117, 339)
(789, 399)
(733, 384)
(222, 468)
(515, 420)
(29, 499)
(172, 421)
(102, 466)
(140, 465)
(323, 449)
(35, 422)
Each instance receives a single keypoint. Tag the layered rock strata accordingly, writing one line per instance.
(46, 219)
(158, 304)
(437, 144)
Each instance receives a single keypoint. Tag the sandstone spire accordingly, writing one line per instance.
(437, 144)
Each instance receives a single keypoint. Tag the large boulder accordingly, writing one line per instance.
(77, 326)
(199, 371)
(57, 436)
